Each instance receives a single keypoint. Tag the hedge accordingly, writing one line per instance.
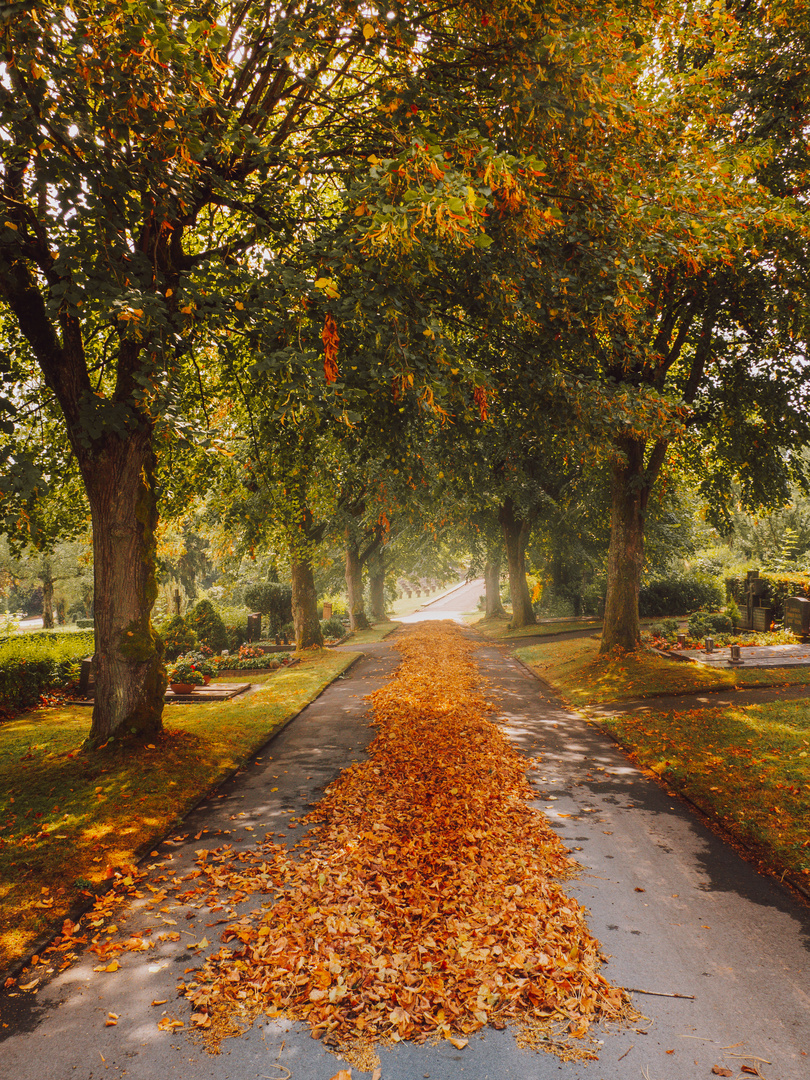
(31, 664)
(679, 594)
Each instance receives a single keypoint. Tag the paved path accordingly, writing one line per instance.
(678, 911)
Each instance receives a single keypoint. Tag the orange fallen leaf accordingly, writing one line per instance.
(167, 1024)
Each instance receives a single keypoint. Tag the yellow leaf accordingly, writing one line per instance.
(458, 1043)
(368, 31)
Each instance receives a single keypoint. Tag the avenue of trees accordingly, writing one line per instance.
(359, 271)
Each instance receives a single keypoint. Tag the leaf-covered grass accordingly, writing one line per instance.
(66, 815)
(498, 627)
(747, 766)
(580, 675)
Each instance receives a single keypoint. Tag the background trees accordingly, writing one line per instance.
(321, 238)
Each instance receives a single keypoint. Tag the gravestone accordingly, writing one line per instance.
(762, 618)
(797, 615)
(87, 676)
(254, 627)
(327, 612)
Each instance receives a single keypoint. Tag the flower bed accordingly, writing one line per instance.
(227, 665)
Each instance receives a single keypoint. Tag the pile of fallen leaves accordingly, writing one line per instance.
(425, 903)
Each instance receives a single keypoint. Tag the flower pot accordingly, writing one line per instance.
(182, 687)
(207, 679)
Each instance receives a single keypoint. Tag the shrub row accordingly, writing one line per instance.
(31, 664)
(679, 594)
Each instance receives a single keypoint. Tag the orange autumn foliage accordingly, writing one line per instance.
(331, 340)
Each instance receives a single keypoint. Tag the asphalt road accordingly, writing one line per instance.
(678, 912)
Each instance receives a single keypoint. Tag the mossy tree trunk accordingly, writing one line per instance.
(47, 596)
(376, 586)
(631, 483)
(130, 675)
(305, 605)
(492, 587)
(112, 438)
(354, 587)
(516, 532)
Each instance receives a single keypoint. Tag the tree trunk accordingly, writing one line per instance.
(376, 587)
(492, 587)
(130, 675)
(629, 494)
(516, 533)
(305, 605)
(47, 597)
(354, 588)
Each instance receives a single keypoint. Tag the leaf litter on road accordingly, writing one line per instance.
(425, 902)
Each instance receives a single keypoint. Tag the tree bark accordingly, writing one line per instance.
(130, 675)
(516, 531)
(376, 587)
(305, 605)
(492, 587)
(47, 597)
(630, 487)
(354, 588)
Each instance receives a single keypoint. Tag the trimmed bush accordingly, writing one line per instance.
(708, 623)
(678, 595)
(178, 638)
(668, 628)
(333, 628)
(208, 626)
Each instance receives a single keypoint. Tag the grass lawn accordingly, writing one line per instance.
(377, 632)
(580, 675)
(747, 766)
(497, 627)
(66, 815)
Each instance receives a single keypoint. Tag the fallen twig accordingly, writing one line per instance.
(658, 993)
(627, 1051)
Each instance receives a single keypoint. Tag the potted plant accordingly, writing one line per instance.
(184, 676)
(201, 662)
